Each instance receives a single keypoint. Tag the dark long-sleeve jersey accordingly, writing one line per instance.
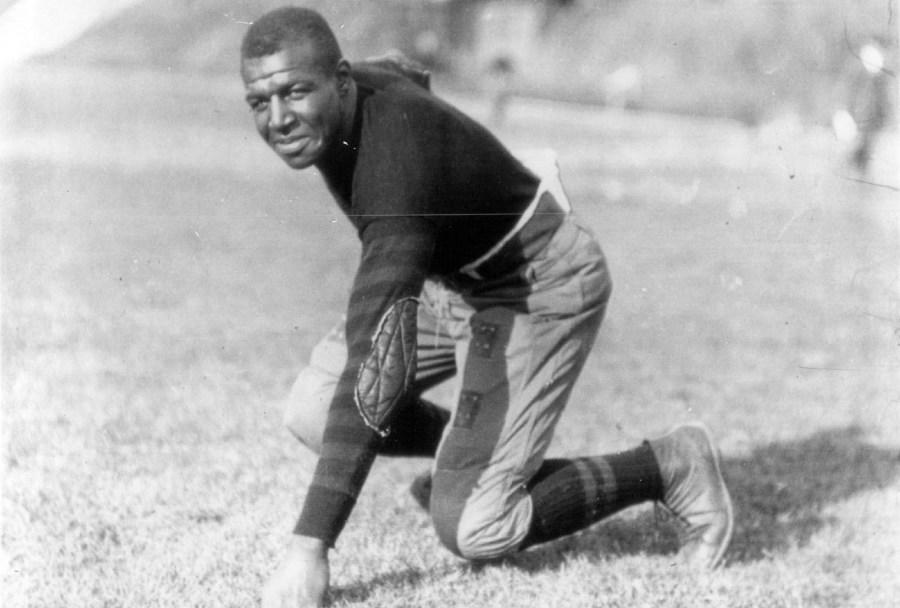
(428, 190)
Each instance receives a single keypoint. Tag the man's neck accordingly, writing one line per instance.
(335, 152)
(348, 112)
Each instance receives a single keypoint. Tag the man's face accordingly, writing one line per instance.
(296, 103)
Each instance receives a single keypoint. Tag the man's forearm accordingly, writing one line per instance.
(381, 343)
(326, 510)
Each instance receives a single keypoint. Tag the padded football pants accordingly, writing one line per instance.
(517, 342)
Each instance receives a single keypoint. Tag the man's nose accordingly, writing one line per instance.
(281, 116)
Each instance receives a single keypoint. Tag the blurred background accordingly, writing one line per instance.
(790, 74)
(750, 60)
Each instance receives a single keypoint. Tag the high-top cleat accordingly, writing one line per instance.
(694, 491)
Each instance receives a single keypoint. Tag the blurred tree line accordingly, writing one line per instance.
(747, 59)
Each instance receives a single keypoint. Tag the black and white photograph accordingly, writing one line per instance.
(450, 303)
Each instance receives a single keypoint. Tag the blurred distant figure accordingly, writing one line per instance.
(427, 47)
(868, 108)
(622, 87)
(501, 75)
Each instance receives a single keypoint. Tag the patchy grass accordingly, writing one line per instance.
(157, 307)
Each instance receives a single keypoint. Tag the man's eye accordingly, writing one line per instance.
(258, 105)
(297, 93)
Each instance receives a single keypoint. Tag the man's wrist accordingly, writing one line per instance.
(325, 511)
(308, 545)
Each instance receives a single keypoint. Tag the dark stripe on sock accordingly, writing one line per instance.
(588, 478)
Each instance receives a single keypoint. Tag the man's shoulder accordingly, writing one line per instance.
(395, 84)
(412, 108)
(391, 68)
(403, 96)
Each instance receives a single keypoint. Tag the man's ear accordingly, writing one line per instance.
(344, 77)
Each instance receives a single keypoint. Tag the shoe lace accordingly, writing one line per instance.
(687, 533)
(663, 513)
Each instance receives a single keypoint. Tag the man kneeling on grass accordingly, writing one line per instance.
(472, 264)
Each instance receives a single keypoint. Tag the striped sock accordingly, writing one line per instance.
(570, 495)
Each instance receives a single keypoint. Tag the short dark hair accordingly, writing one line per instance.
(288, 25)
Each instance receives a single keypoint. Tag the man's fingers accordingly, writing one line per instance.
(271, 598)
(290, 595)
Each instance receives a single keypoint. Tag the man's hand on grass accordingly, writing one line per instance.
(301, 580)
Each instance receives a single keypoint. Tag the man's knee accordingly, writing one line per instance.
(306, 408)
(477, 527)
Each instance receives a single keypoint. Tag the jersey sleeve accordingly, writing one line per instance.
(395, 259)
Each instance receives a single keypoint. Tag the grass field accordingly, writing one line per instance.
(163, 280)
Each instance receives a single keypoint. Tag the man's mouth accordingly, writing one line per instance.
(290, 145)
